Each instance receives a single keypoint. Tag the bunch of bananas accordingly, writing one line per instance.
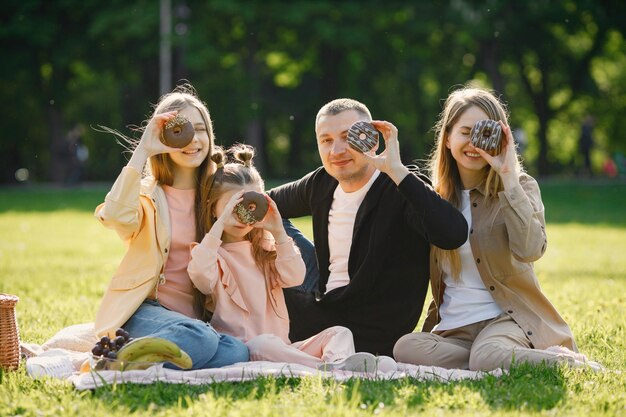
(143, 352)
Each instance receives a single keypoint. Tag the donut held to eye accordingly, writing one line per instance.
(252, 208)
(177, 132)
(363, 136)
(487, 135)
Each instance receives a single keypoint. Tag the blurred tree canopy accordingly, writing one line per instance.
(265, 67)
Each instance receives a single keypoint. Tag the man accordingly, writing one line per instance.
(373, 223)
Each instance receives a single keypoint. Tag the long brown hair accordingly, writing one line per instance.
(442, 165)
(161, 166)
(232, 176)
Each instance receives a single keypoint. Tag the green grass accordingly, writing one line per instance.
(57, 258)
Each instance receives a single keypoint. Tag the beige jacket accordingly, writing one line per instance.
(137, 210)
(507, 235)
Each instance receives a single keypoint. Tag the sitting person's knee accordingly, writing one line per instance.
(409, 348)
(489, 356)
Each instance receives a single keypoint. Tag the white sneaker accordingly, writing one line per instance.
(54, 366)
(357, 362)
(386, 364)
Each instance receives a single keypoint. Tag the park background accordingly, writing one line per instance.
(265, 67)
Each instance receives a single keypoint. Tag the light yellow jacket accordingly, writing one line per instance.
(137, 210)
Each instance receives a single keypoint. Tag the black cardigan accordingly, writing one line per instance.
(388, 262)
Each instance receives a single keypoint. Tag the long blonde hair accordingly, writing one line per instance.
(233, 176)
(443, 169)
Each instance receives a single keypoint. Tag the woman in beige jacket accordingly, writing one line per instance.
(158, 217)
(488, 310)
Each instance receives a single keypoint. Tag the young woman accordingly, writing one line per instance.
(488, 309)
(156, 207)
(242, 269)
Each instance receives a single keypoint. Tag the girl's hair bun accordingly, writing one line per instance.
(243, 154)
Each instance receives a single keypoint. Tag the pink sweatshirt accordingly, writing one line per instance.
(177, 292)
(246, 303)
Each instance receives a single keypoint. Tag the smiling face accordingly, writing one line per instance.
(469, 162)
(345, 164)
(197, 150)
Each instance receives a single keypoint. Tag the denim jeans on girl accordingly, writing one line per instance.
(207, 348)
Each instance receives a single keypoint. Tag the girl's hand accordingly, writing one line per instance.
(389, 160)
(228, 217)
(150, 142)
(273, 222)
(505, 162)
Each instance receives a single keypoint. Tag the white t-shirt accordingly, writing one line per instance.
(340, 227)
(465, 301)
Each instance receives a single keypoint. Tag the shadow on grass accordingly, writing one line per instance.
(601, 202)
(49, 199)
(527, 387)
(142, 397)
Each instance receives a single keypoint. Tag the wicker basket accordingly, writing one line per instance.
(9, 333)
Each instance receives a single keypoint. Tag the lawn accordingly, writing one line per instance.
(57, 258)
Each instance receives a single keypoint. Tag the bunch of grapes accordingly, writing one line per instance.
(107, 347)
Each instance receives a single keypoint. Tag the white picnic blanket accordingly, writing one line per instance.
(62, 356)
(246, 371)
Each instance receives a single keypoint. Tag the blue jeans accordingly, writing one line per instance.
(307, 250)
(207, 348)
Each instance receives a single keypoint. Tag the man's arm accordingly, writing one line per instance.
(293, 198)
(439, 221)
(427, 212)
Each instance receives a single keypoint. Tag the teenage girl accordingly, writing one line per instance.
(242, 269)
(155, 206)
(488, 309)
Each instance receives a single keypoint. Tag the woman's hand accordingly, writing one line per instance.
(389, 160)
(273, 222)
(505, 162)
(150, 143)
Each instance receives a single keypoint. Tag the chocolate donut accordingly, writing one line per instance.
(178, 132)
(363, 136)
(487, 135)
(252, 208)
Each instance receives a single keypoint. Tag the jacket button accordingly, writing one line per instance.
(474, 204)
(166, 250)
(477, 260)
(510, 311)
(529, 333)
(471, 231)
(162, 279)
(492, 288)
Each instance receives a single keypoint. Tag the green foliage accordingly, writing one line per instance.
(58, 259)
(265, 68)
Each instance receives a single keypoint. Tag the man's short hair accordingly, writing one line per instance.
(342, 104)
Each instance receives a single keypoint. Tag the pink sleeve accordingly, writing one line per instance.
(204, 268)
(289, 264)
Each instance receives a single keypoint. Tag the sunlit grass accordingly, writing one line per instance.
(58, 259)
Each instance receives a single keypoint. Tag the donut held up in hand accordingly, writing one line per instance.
(252, 208)
(177, 132)
(363, 136)
(487, 135)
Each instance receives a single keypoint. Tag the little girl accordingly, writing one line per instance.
(242, 269)
(488, 309)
